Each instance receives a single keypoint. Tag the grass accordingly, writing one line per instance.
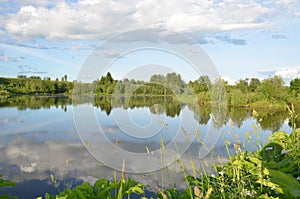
(6, 183)
(272, 171)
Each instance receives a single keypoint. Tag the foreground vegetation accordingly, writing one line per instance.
(271, 172)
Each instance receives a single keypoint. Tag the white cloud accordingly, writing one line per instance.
(88, 19)
(286, 3)
(28, 168)
(68, 159)
(39, 3)
(289, 72)
(285, 72)
(80, 47)
(297, 13)
(229, 80)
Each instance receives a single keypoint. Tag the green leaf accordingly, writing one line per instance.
(289, 185)
(6, 183)
(280, 138)
(6, 196)
(120, 192)
(136, 189)
(272, 151)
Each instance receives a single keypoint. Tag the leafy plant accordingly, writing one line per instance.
(271, 172)
(6, 183)
(102, 189)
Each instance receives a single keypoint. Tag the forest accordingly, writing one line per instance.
(34, 85)
(249, 92)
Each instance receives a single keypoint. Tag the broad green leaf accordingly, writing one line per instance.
(289, 185)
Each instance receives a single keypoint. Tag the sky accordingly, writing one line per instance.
(242, 38)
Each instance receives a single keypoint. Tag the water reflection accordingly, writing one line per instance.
(268, 119)
(38, 138)
(35, 102)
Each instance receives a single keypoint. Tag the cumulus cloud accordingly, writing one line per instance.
(39, 3)
(66, 159)
(229, 80)
(286, 3)
(87, 19)
(285, 72)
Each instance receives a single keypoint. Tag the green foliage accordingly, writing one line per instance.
(158, 85)
(273, 89)
(35, 102)
(34, 85)
(269, 172)
(103, 189)
(173, 193)
(202, 84)
(242, 85)
(237, 98)
(106, 85)
(158, 79)
(270, 92)
(6, 183)
(295, 87)
(4, 93)
(254, 84)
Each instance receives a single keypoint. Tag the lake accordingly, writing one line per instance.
(87, 139)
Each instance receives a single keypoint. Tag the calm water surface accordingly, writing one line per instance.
(38, 138)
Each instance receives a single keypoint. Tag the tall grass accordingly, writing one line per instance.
(270, 172)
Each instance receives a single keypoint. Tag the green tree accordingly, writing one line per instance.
(242, 85)
(174, 82)
(22, 77)
(109, 78)
(295, 87)
(254, 84)
(160, 79)
(35, 77)
(237, 98)
(202, 84)
(273, 89)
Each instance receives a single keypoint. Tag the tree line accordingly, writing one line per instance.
(34, 85)
(246, 92)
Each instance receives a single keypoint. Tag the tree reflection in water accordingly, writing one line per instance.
(267, 118)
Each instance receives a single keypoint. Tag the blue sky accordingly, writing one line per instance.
(243, 38)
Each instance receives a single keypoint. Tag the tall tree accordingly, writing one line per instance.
(295, 86)
(254, 84)
(242, 85)
(273, 89)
